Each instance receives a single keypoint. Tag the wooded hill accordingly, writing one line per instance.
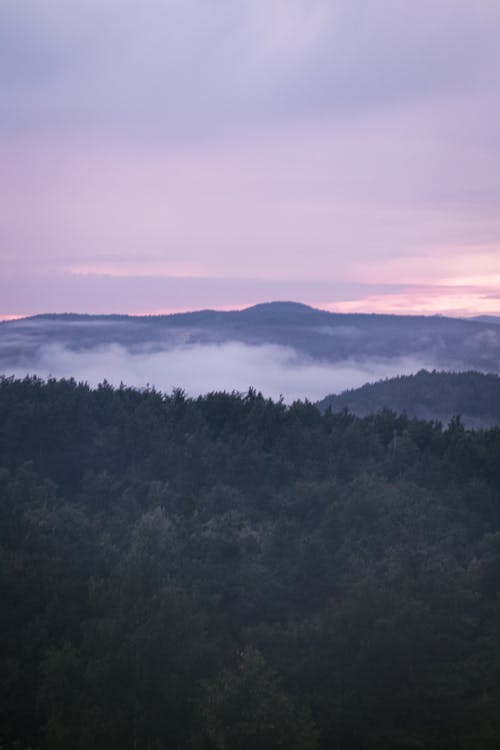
(473, 396)
(437, 341)
(228, 572)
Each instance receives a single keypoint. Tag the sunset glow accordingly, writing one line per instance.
(218, 159)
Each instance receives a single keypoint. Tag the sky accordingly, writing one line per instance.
(168, 155)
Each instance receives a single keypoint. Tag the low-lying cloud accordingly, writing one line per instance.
(274, 370)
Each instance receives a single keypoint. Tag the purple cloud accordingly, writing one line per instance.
(308, 145)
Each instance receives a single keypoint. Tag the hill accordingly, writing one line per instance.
(431, 341)
(427, 395)
(487, 319)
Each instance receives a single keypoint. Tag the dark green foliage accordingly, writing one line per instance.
(427, 395)
(228, 572)
(245, 708)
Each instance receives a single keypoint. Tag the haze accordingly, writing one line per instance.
(275, 371)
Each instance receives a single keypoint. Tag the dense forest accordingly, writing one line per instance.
(229, 572)
(427, 395)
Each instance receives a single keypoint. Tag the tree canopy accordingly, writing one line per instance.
(229, 572)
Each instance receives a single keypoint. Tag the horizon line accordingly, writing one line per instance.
(5, 318)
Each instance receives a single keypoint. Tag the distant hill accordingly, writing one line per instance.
(424, 341)
(473, 396)
(487, 319)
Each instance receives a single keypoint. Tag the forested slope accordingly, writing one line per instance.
(427, 395)
(229, 572)
(441, 342)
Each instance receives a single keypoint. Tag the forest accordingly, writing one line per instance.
(428, 395)
(231, 573)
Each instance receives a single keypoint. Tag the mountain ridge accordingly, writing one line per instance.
(318, 335)
(281, 307)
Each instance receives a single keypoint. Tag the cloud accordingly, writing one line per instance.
(420, 300)
(319, 202)
(274, 370)
(27, 293)
(186, 68)
(293, 142)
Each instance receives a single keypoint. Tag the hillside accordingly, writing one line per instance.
(487, 319)
(229, 572)
(427, 395)
(431, 341)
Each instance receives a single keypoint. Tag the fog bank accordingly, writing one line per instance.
(276, 371)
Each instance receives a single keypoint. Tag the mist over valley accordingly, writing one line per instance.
(283, 349)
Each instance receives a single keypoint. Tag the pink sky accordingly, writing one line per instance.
(162, 157)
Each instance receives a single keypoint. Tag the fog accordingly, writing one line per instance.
(276, 371)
